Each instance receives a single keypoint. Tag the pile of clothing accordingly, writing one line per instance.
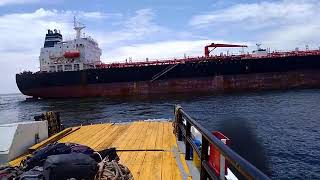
(61, 161)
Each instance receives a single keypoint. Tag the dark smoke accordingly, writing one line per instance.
(244, 141)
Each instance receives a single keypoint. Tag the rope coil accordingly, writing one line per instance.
(112, 171)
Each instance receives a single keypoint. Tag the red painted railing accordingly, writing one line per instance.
(275, 55)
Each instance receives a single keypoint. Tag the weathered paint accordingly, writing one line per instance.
(215, 84)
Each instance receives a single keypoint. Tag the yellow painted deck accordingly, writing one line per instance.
(148, 149)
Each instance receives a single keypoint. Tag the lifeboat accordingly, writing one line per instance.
(71, 54)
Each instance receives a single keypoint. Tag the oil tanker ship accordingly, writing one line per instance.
(73, 69)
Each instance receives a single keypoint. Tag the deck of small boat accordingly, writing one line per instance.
(148, 148)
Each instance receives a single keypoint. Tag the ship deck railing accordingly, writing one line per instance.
(183, 125)
(222, 57)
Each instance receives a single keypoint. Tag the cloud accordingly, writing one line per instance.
(158, 50)
(25, 31)
(258, 15)
(163, 50)
(289, 37)
(282, 24)
(135, 27)
(92, 15)
(9, 2)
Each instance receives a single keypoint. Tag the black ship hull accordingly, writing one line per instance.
(202, 75)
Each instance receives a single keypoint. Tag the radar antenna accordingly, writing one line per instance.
(78, 27)
(258, 46)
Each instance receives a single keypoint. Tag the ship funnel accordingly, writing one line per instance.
(52, 38)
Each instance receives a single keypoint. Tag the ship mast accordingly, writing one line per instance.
(77, 27)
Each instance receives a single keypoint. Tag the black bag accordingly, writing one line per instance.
(73, 165)
(39, 156)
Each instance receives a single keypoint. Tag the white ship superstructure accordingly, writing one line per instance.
(74, 55)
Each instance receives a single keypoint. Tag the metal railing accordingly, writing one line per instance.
(183, 123)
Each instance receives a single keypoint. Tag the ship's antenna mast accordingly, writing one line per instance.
(258, 46)
(77, 27)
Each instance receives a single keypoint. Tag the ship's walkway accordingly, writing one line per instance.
(148, 148)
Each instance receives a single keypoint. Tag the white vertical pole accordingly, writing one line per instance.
(222, 166)
(222, 163)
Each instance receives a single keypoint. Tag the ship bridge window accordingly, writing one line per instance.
(59, 68)
(76, 67)
(67, 67)
(52, 68)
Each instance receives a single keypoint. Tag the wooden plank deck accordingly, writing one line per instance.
(148, 148)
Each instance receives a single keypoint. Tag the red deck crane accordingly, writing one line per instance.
(207, 51)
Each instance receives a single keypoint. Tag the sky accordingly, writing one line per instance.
(154, 29)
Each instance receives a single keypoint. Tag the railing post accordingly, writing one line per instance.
(204, 157)
(178, 119)
(188, 136)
